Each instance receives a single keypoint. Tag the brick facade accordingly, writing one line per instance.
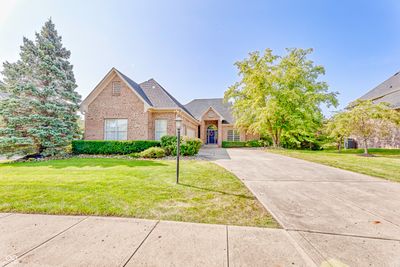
(126, 105)
(104, 104)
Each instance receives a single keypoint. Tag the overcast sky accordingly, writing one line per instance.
(190, 46)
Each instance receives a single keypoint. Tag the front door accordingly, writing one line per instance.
(212, 136)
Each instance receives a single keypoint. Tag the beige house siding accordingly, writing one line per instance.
(124, 106)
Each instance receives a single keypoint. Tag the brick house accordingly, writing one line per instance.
(120, 109)
(389, 92)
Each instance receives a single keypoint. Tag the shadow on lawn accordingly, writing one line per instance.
(93, 162)
(216, 191)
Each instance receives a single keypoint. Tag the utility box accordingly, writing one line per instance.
(350, 143)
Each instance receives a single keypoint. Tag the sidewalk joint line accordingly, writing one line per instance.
(141, 243)
(44, 242)
(315, 248)
(339, 234)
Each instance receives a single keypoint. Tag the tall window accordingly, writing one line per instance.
(116, 88)
(160, 129)
(115, 129)
(233, 135)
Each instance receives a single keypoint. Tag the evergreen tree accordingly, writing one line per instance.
(39, 114)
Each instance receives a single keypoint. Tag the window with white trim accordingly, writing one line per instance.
(233, 135)
(115, 129)
(160, 129)
(116, 88)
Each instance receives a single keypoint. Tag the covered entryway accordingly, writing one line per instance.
(212, 134)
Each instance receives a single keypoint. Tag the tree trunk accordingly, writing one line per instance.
(365, 147)
(340, 146)
(276, 137)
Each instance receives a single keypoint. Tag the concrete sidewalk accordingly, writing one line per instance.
(335, 215)
(51, 240)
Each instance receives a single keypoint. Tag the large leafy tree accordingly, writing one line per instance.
(279, 95)
(365, 120)
(338, 128)
(40, 111)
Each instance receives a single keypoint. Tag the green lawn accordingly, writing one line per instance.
(385, 164)
(137, 188)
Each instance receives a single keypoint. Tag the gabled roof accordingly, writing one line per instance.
(159, 97)
(151, 92)
(135, 86)
(197, 108)
(388, 91)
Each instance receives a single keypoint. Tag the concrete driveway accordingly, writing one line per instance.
(335, 215)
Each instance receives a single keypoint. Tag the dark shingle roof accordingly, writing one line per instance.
(136, 87)
(197, 108)
(154, 94)
(388, 91)
(159, 97)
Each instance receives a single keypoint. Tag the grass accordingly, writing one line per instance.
(385, 163)
(135, 188)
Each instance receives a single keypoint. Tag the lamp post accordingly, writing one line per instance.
(178, 123)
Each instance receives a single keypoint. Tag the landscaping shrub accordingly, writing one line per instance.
(255, 143)
(189, 146)
(111, 147)
(153, 153)
(250, 143)
(135, 155)
(168, 142)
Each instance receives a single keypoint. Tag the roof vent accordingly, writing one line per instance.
(396, 73)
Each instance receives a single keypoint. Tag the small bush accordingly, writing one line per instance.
(168, 142)
(153, 153)
(135, 155)
(111, 147)
(68, 149)
(189, 146)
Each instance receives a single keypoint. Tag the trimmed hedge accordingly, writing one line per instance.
(228, 144)
(111, 147)
(250, 143)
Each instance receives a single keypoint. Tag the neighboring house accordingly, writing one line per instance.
(389, 92)
(120, 109)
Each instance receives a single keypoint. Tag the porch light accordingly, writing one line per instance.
(178, 123)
